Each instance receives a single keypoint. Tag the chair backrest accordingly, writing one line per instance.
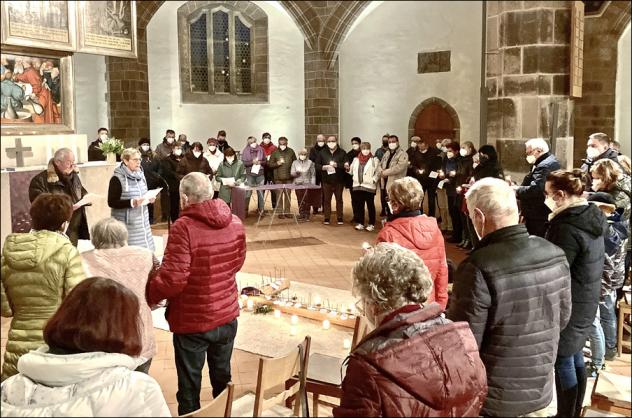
(274, 372)
(360, 330)
(218, 407)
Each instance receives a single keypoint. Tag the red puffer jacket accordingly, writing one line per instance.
(206, 248)
(415, 365)
(421, 235)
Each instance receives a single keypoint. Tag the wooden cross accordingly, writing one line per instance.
(17, 152)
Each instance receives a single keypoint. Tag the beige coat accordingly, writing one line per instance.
(397, 168)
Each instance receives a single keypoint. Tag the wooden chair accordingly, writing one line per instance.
(218, 407)
(325, 376)
(611, 394)
(624, 309)
(273, 373)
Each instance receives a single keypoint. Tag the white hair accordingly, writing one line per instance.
(128, 153)
(196, 187)
(108, 233)
(61, 154)
(538, 143)
(493, 197)
(415, 138)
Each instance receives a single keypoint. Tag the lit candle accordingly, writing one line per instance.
(250, 304)
(297, 305)
(277, 313)
(244, 297)
(346, 344)
(241, 304)
(366, 245)
(326, 324)
(317, 300)
(343, 316)
(323, 310)
(293, 330)
(294, 320)
(333, 313)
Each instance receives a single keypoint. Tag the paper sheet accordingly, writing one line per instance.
(228, 181)
(151, 194)
(255, 168)
(331, 170)
(440, 185)
(87, 199)
(433, 175)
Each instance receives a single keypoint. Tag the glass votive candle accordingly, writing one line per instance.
(343, 316)
(250, 304)
(326, 324)
(277, 313)
(294, 320)
(323, 310)
(346, 344)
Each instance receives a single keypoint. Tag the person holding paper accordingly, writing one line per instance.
(427, 163)
(450, 183)
(168, 170)
(331, 163)
(268, 148)
(62, 176)
(281, 161)
(231, 173)
(126, 197)
(304, 172)
(254, 160)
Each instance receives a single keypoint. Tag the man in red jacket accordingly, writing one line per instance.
(206, 248)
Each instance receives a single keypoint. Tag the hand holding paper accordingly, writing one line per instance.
(150, 196)
(86, 200)
(433, 175)
(228, 181)
(255, 168)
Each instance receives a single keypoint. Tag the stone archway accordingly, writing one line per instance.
(443, 104)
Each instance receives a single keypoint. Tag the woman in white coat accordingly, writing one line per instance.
(87, 367)
(365, 172)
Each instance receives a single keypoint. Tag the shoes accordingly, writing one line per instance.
(303, 218)
(465, 245)
(359, 227)
(315, 212)
(611, 353)
(460, 244)
(340, 222)
(326, 222)
(370, 228)
(281, 216)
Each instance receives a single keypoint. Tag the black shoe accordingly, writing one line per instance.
(326, 222)
(467, 245)
(582, 381)
(566, 399)
(611, 353)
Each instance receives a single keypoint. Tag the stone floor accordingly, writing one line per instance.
(328, 264)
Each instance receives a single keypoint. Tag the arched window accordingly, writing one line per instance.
(223, 52)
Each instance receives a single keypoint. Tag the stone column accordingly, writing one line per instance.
(527, 74)
(321, 96)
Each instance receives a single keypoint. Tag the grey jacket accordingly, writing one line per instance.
(304, 172)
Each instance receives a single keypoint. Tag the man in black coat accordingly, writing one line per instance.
(425, 165)
(94, 153)
(62, 177)
(515, 312)
(531, 191)
(355, 150)
(331, 163)
(598, 148)
(313, 153)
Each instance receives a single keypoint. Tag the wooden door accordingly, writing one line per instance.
(434, 122)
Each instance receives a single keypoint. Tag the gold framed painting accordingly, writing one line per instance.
(39, 24)
(37, 92)
(107, 28)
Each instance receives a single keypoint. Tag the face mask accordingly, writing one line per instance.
(331, 145)
(103, 137)
(592, 153)
(393, 145)
(170, 140)
(531, 159)
(438, 145)
(197, 154)
(266, 140)
(596, 185)
(450, 154)
(230, 159)
(355, 147)
(144, 147)
(423, 151)
(221, 140)
(253, 145)
(463, 152)
(366, 152)
(302, 157)
(413, 145)
(320, 143)
(282, 147)
(550, 203)
(212, 148)
(444, 149)
(177, 152)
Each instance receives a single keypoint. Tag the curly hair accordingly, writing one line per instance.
(391, 276)
(407, 193)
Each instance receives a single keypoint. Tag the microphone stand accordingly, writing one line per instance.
(164, 183)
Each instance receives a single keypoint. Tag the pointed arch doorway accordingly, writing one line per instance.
(434, 119)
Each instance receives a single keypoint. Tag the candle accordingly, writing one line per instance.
(244, 297)
(297, 305)
(293, 330)
(317, 300)
(294, 320)
(326, 324)
(366, 245)
(277, 313)
(323, 310)
(346, 344)
(250, 304)
(343, 316)
(333, 313)
(241, 304)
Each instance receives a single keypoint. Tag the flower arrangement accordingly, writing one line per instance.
(111, 146)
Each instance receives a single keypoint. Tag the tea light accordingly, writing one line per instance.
(297, 305)
(346, 344)
(317, 300)
(343, 316)
(333, 313)
(250, 304)
(277, 313)
(326, 324)
(323, 310)
(293, 330)
(294, 320)
(366, 245)
(244, 297)
(276, 302)
(240, 303)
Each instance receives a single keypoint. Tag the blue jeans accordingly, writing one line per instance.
(190, 351)
(609, 319)
(597, 342)
(255, 181)
(565, 369)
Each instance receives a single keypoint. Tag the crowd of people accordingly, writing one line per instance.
(548, 258)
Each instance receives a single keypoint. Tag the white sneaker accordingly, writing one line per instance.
(370, 228)
(359, 227)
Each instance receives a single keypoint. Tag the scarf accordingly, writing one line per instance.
(364, 158)
(570, 204)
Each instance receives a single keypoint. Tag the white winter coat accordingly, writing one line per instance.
(214, 160)
(370, 175)
(88, 385)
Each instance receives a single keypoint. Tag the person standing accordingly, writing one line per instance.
(464, 172)
(206, 249)
(531, 192)
(579, 230)
(268, 148)
(495, 291)
(450, 183)
(255, 163)
(393, 166)
(351, 155)
(427, 162)
(331, 163)
(222, 143)
(597, 148)
(39, 268)
(383, 149)
(94, 153)
(62, 176)
(281, 162)
(168, 170)
(364, 171)
(313, 153)
(193, 160)
(215, 158)
(126, 192)
(165, 148)
(304, 172)
(184, 142)
(150, 167)
(231, 168)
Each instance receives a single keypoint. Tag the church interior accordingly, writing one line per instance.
(105, 82)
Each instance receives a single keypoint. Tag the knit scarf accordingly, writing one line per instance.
(364, 158)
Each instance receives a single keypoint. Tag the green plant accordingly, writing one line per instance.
(263, 309)
(111, 146)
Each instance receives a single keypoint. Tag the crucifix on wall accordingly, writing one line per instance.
(17, 152)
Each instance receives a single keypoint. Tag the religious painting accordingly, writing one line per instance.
(36, 94)
(107, 28)
(43, 24)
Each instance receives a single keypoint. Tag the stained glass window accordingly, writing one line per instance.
(242, 57)
(221, 52)
(199, 55)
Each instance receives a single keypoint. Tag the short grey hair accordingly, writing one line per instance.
(492, 196)
(415, 138)
(407, 193)
(61, 154)
(129, 153)
(391, 276)
(196, 187)
(537, 143)
(108, 233)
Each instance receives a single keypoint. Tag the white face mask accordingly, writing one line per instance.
(393, 145)
(230, 159)
(463, 152)
(103, 137)
(592, 153)
(144, 147)
(331, 145)
(321, 143)
(253, 145)
(550, 203)
(444, 149)
(302, 157)
(177, 152)
(282, 147)
(170, 140)
(531, 159)
(212, 148)
(266, 140)
(450, 154)
(197, 154)
(366, 151)
(596, 185)
(355, 147)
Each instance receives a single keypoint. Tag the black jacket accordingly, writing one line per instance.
(150, 168)
(324, 157)
(464, 170)
(608, 154)
(94, 153)
(514, 291)
(348, 176)
(427, 161)
(531, 192)
(168, 170)
(488, 168)
(580, 231)
(313, 153)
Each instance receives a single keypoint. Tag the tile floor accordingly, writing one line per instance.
(328, 264)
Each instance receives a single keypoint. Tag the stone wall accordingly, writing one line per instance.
(595, 110)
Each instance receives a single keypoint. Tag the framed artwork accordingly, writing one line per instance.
(37, 92)
(107, 28)
(39, 24)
